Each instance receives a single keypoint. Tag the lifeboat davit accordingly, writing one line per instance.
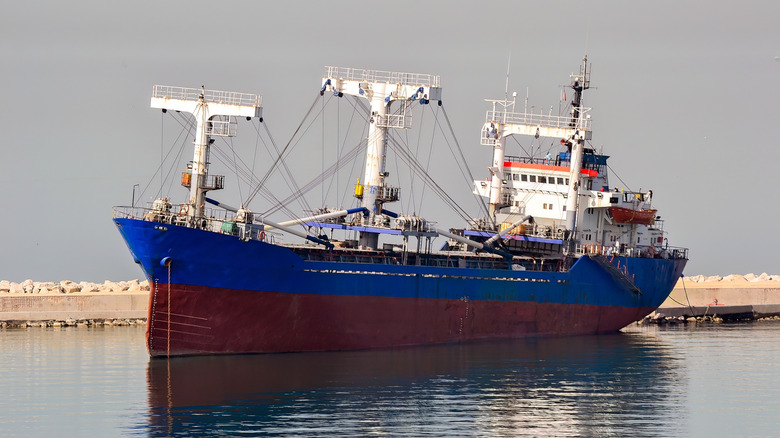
(629, 216)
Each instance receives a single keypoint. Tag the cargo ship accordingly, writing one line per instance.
(556, 249)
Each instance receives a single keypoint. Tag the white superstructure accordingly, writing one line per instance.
(567, 193)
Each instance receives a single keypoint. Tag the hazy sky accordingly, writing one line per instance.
(686, 104)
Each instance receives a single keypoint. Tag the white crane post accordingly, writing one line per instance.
(572, 201)
(381, 88)
(208, 107)
(580, 124)
(373, 177)
(497, 173)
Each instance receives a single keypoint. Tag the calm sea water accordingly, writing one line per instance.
(705, 380)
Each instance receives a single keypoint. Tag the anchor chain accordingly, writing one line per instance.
(152, 315)
(168, 350)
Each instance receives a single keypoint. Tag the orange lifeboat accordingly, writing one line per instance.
(629, 216)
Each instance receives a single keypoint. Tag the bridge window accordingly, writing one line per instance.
(532, 178)
(543, 179)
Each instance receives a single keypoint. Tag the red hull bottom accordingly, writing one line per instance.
(236, 321)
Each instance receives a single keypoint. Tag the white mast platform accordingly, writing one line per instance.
(215, 113)
(381, 88)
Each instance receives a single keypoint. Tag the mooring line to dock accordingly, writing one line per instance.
(682, 279)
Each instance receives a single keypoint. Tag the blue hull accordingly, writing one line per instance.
(231, 283)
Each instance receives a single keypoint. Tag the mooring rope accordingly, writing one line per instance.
(682, 278)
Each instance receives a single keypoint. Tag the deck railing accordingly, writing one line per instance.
(216, 96)
(390, 77)
(540, 119)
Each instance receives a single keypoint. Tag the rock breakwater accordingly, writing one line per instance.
(67, 303)
(733, 278)
(74, 323)
(71, 287)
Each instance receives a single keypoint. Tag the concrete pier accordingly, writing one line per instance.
(81, 306)
(67, 301)
(731, 297)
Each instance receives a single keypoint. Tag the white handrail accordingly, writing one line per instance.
(215, 96)
(359, 74)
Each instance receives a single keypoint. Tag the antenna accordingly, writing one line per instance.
(587, 37)
(525, 109)
(506, 87)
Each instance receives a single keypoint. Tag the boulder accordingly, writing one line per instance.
(69, 287)
(736, 278)
(145, 284)
(28, 286)
(696, 279)
(712, 278)
(5, 286)
(700, 278)
(110, 286)
(46, 287)
(16, 288)
(750, 277)
(763, 277)
(133, 285)
(86, 286)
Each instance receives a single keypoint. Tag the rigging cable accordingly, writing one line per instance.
(322, 154)
(235, 162)
(314, 182)
(244, 174)
(291, 178)
(412, 162)
(340, 149)
(281, 154)
(162, 161)
(618, 177)
(301, 200)
(356, 101)
(267, 194)
(162, 135)
(416, 154)
(428, 164)
(480, 200)
(186, 125)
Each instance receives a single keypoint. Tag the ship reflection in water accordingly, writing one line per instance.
(622, 384)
